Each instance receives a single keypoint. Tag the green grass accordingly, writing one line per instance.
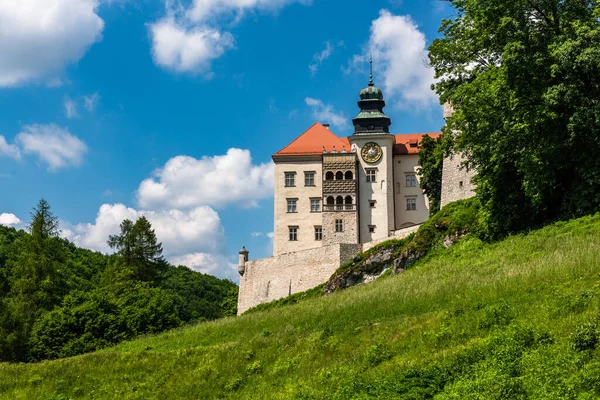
(515, 319)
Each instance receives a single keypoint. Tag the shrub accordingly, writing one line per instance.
(585, 337)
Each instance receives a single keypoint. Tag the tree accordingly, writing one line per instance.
(431, 160)
(138, 250)
(524, 79)
(37, 273)
(37, 283)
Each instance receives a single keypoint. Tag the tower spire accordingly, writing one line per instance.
(371, 70)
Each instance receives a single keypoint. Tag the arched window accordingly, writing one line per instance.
(339, 200)
(339, 203)
(329, 176)
(349, 201)
(349, 175)
(339, 176)
(330, 201)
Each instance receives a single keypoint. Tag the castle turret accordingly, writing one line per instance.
(243, 260)
(371, 118)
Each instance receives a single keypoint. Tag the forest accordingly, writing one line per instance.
(58, 300)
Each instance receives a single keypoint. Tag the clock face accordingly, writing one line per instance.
(371, 152)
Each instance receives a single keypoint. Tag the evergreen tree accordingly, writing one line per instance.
(36, 283)
(138, 251)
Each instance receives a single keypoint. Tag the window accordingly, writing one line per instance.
(318, 233)
(372, 228)
(329, 176)
(315, 205)
(411, 180)
(293, 233)
(309, 179)
(290, 179)
(339, 176)
(372, 203)
(349, 175)
(292, 205)
(460, 185)
(411, 204)
(371, 175)
(339, 225)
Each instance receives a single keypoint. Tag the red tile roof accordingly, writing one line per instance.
(312, 142)
(409, 143)
(318, 136)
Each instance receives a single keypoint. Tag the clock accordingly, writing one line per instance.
(371, 152)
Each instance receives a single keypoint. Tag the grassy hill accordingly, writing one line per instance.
(515, 319)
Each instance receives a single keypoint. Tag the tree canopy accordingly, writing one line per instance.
(431, 161)
(524, 79)
(138, 249)
(58, 300)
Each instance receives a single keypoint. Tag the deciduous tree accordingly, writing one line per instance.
(524, 79)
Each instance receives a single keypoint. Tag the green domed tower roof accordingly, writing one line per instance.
(371, 120)
(371, 92)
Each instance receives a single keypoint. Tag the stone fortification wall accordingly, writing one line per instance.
(400, 234)
(273, 278)
(456, 181)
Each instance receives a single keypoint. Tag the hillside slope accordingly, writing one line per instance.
(516, 319)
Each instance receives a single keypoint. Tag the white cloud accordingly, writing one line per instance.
(177, 201)
(9, 220)
(52, 144)
(216, 181)
(70, 108)
(326, 114)
(90, 102)
(208, 264)
(180, 232)
(194, 238)
(400, 55)
(10, 150)
(323, 55)
(203, 10)
(187, 49)
(187, 40)
(38, 38)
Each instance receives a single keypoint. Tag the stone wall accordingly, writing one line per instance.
(456, 181)
(350, 233)
(273, 278)
(400, 234)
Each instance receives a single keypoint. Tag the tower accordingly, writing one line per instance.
(243, 259)
(375, 148)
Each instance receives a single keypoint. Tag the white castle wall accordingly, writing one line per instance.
(304, 219)
(273, 278)
(401, 234)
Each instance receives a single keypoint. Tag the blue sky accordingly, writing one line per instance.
(120, 108)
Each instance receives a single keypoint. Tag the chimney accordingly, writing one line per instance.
(326, 126)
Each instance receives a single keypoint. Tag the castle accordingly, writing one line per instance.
(335, 197)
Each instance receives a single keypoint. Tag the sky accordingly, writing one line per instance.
(114, 109)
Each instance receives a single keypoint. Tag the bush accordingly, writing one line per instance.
(585, 337)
